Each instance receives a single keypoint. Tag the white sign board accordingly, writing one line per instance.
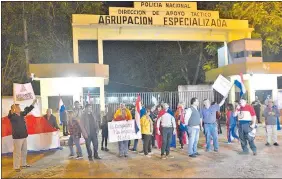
(222, 85)
(122, 130)
(24, 95)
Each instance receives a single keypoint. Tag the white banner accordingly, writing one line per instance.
(222, 85)
(23, 92)
(24, 96)
(122, 130)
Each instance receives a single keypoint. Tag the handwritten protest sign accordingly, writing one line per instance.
(122, 130)
(222, 85)
(23, 92)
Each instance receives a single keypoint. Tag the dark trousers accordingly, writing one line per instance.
(106, 141)
(94, 140)
(244, 136)
(166, 139)
(257, 111)
(180, 136)
(153, 140)
(105, 137)
(146, 143)
(65, 127)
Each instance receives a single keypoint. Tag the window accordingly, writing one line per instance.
(238, 54)
(53, 102)
(254, 54)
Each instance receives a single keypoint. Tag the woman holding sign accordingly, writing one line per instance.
(123, 114)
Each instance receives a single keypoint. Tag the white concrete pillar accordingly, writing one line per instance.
(225, 53)
(44, 104)
(100, 51)
(102, 96)
(75, 51)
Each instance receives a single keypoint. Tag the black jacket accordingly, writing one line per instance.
(52, 121)
(19, 130)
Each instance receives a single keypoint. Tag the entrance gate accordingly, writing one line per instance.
(113, 100)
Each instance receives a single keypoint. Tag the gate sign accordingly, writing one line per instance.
(23, 92)
(173, 14)
(222, 85)
(122, 130)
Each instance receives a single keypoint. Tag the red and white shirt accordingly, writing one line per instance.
(245, 113)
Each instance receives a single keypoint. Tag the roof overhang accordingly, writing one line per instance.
(245, 68)
(60, 70)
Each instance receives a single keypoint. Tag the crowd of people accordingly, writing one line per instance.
(160, 127)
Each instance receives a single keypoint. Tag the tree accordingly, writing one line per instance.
(264, 17)
(37, 32)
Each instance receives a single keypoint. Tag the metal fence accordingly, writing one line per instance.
(112, 100)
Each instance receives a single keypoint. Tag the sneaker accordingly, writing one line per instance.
(78, 157)
(229, 143)
(141, 153)
(26, 166)
(193, 156)
(151, 153)
(267, 144)
(149, 156)
(125, 155)
(97, 158)
(163, 157)
(106, 149)
(276, 144)
(254, 153)
(215, 150)
(120, 155)
(169, 156)
(102, 148)
(197, 154)
(133, 150)
(71, 156)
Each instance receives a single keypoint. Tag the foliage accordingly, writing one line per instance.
(264, 17)
(49, 35)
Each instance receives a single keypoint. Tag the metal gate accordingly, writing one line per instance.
(112, 100)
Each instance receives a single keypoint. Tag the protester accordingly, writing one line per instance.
(158, 137)
(123, 114)
(153, 116)
(75, 135)
(142, 113)
(271, 113)
(257, 105)
(77, 110)
(90, 129)
(147, 131)
(247, 123)
(19, 134)
(231, 123)
(168, 128)
(51, 119)
(179, 117)
(210, 123)
(64, 121)
(108, 117)
(193, 121)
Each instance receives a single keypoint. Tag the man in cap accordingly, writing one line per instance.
(271, 113)
(247, 124)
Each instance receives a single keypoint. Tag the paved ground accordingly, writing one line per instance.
(227, 163)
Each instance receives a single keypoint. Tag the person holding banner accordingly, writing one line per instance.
(271, 114)
(123, 114)
(210, 123)
(19, 134)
